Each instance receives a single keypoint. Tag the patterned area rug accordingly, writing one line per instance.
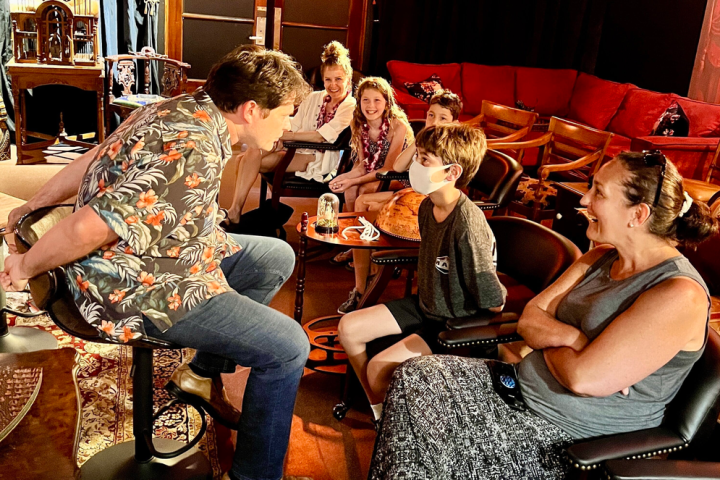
(106, 392)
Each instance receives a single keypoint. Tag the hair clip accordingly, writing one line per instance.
(687, 203)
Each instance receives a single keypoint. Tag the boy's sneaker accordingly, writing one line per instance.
(351, 303)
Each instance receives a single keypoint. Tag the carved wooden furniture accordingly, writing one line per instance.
(44, 444)
(4, 134)
(322, 331)
(503, 125)
(713, 173)
(31, 75)
(55, 32)
(128, 68)
(571, 151)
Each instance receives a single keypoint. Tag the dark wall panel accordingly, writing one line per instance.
(305, 44)
(225, 8)
(207, 41)
(333, 13)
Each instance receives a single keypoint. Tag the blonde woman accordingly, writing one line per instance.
(321, 117)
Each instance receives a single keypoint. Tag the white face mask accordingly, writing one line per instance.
(421, 177)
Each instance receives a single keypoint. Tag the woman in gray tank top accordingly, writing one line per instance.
(613, 339)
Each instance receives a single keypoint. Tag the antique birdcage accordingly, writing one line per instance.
(55, 32)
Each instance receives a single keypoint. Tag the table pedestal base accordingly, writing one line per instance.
(326, 353)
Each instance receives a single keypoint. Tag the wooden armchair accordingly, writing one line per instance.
(504, 125)
(133, 96)
(713, 173)
(570, 150)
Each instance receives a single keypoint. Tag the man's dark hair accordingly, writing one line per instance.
(250, 72)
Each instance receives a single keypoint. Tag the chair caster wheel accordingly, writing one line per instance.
(339, 411)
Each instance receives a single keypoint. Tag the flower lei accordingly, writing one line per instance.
(372, 160)
(327, 114)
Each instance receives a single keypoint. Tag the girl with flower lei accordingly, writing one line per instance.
(380, 131)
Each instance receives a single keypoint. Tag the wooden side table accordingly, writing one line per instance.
(322, 331)
(44, 444)
(30, 75)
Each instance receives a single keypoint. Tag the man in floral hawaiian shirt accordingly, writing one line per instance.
(144, 254)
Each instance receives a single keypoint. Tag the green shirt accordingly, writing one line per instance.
(155, 183)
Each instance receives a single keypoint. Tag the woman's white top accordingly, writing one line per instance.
(306, 121)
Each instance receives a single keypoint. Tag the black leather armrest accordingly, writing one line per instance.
(487, 205)
(314, 146)
(661, 470)
(487, 335)
(395, 257)
(639, 444)
(481, 319)
(392, 175)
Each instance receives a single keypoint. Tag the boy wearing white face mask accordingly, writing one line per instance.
(456, 274)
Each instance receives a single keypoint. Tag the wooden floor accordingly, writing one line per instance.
(320, 446)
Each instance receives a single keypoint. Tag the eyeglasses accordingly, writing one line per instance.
(655, 158)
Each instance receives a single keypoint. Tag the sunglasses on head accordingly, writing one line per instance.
(652, 158)
(655, 158)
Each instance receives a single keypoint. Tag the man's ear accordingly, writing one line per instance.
(248, 111)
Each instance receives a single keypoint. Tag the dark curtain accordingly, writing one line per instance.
(6, 54)
(541, 33)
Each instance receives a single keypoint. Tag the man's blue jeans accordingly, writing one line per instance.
(238, 328)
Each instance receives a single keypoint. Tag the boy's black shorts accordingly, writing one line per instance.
(411, 319)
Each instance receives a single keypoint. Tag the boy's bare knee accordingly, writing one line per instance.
(349, 328)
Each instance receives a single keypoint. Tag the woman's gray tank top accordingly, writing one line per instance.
(591, 306)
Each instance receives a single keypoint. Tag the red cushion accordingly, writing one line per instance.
(546, 90)
(639, 112)
(594, 100)
(402, 72)
(482, 82)
(704, 117)
(618, 144)
(691, 155)
(414, 108)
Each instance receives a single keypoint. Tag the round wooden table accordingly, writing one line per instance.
(326, 354)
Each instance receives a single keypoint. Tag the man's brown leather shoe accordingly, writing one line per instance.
(207, 393)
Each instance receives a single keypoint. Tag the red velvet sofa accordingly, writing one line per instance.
(622, 108)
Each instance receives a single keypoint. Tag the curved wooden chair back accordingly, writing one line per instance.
(575, 150)
(503, 124)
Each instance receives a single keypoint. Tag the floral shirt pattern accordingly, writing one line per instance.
(155, 182)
